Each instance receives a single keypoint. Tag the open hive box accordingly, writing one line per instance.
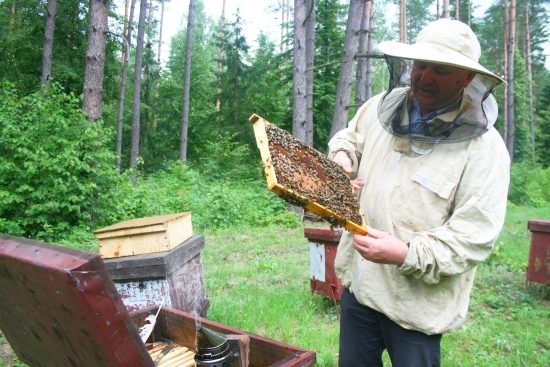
(59, 307)
(304, 177)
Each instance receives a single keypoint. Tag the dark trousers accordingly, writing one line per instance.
(366, 333)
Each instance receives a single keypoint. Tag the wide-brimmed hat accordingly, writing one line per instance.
(445, 41)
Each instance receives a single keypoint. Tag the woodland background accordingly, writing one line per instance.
(96, 128)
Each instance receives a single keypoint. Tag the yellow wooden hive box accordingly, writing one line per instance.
(144, 235)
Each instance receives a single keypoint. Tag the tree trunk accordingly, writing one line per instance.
(446, 9)
(137, 85)
(159, 57)
(310, 56)
(299, 70)
(159, 61)
(47, 52)
(457, 9)
(345, 79)
(510, 108)
(187, 82)
(529, 67)
(122, 96)
(361, 87)
(505, 69)
(95, 60)
(370, 48)
(220, 56)
(403, 21)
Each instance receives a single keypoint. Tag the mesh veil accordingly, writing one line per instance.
(477, 113)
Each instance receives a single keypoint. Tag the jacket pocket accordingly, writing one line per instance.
(437, 181)
(425, 199)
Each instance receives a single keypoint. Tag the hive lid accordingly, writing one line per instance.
(302, 176)
(139, 223)
(59, 307)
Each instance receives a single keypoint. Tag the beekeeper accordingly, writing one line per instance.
(432, 176)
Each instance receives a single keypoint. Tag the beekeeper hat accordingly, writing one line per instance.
(445, 41)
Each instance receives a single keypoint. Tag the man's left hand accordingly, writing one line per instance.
(381, 247)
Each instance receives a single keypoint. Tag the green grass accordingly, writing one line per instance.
(257, 279)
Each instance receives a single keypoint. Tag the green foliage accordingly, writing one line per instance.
(220, 201)
(542, 129)
(529, 185)
(522, 139)
(54, 164)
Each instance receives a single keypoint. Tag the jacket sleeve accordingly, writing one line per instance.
(468, 236)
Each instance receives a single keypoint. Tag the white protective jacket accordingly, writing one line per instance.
(449, 204)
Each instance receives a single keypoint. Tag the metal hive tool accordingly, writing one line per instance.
(302, 176)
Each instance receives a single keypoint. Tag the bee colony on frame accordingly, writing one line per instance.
(304, 177)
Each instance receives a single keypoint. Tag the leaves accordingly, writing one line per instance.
(52, 165)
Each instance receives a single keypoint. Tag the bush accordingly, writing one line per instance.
(53, 163)
(213, 203)
(529, 185)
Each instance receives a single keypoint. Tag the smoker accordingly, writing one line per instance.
(215, 349)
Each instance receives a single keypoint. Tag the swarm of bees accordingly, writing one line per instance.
(308, 175)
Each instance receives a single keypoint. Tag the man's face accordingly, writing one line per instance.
(436, 86)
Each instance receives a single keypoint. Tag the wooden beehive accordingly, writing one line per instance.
(304, 177)
(60, 308)
(144, 235)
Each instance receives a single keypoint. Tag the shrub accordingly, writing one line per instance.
(529, 185)
(53, 163)
(213, 202)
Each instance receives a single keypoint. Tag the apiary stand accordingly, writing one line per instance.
(538, 269)
(323, 244)
(175, 277)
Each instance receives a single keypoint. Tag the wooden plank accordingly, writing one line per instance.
(305, 177)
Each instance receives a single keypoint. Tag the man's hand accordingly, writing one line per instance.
(381, 247)
(343, 160)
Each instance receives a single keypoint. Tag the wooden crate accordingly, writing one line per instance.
(60, 308)
(144, 235)
(304, 177)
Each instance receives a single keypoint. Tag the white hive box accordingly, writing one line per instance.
(144, 235)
